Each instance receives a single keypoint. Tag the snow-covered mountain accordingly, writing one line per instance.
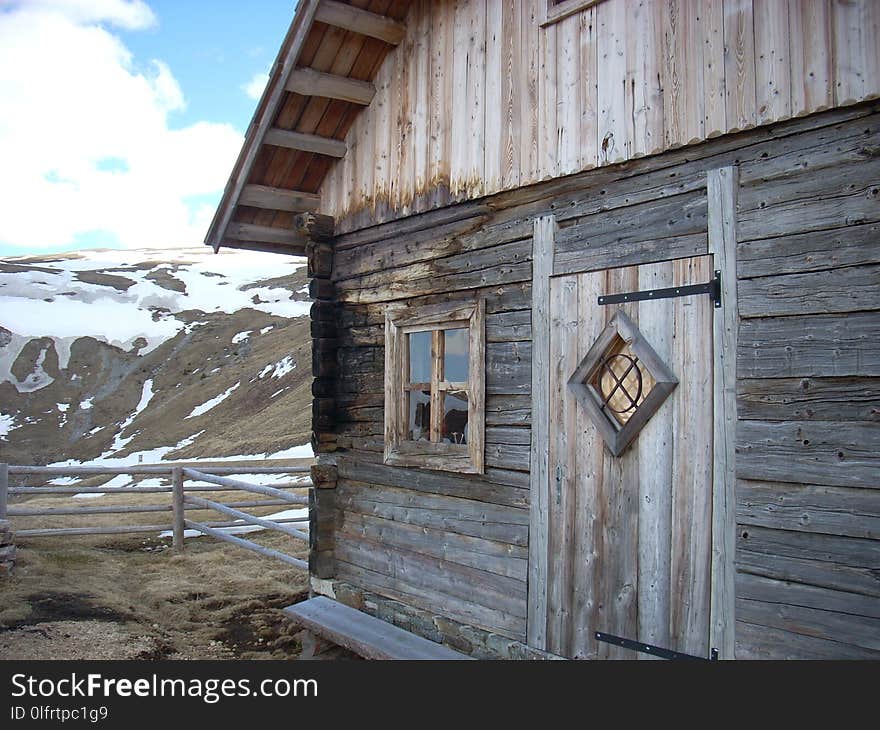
(128, 356)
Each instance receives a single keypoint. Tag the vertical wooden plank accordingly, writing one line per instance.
(615, 130)
(476, 98)
(772, 64)
(4, 490)
(618, 505)
(438, 349)
(654, 446)
(366, 166)
(810, 50)
(692, 463)
(512, 130)
(739, 65)
(406, 113)
(568, 107)
(644, 64)
(381, 111)
(494, 111)
(348, 166)
(539, 476)
(547, 97)
(397, 130)
(392, 385)
(177, 506)
(528, 89)
(459, 132)
(589, 148)
(563, 437)
(477, 365)
(714, 115)
(722, 187)
(421, 104)
(848, 51)
(682, 72)
(441, 99)
(589, 473)
(870, 23)
(691, 54)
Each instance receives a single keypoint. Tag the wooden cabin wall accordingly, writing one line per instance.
(480, 98)
(450, 543)
(808, 369)
(808, 442)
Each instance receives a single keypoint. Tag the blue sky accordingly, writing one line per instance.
(120, 120)
(213, 48)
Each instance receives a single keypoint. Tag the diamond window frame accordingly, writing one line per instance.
(618, 437)
(401, 320)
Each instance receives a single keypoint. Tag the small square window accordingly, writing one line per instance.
(434, 386)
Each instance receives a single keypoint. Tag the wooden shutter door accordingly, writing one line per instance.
(630, 535)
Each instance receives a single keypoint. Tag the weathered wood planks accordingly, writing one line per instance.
(607, 82)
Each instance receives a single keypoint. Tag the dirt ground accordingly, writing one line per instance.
(135, 598)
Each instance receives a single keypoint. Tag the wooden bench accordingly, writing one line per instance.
(363, 634)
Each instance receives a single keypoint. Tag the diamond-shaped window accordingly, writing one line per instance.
(621, 383)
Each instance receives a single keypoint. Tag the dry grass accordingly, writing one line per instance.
(132, 596)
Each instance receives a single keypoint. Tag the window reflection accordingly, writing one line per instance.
(455, 417)
(455, 359)
(420, 357)
(419, 415)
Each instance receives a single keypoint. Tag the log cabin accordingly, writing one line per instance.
(595, 327)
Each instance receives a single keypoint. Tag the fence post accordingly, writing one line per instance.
(4, 489)
(177, 507)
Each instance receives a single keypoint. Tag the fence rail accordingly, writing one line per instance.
(218, 480)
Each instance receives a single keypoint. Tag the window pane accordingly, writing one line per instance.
(419, 428)
(455, 417)
(420, 357)
(455, 361)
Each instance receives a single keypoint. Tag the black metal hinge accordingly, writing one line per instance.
(712, 288)
(653, 650)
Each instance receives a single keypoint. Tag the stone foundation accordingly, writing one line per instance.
(7, 549)
(470, 640)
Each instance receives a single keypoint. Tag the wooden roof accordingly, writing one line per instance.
(320, 82)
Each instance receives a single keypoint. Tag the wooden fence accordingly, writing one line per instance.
(183, 496)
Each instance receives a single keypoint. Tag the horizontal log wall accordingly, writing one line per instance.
(806, 373)
(480, 98)
(808, 442)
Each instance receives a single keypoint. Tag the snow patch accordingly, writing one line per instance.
(86, 404)
(119, 442)
(7, 424)
(267, 329)
(279, 369)
(208, 405)
(58, 305)
(241, 336)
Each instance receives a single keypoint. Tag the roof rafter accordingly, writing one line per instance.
(306, 142)
(265, 234)
(269, 198)
(348, 17)
(308, 82)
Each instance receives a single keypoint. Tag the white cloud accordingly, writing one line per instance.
(254, 87)
(85, 137)
(128, 14)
